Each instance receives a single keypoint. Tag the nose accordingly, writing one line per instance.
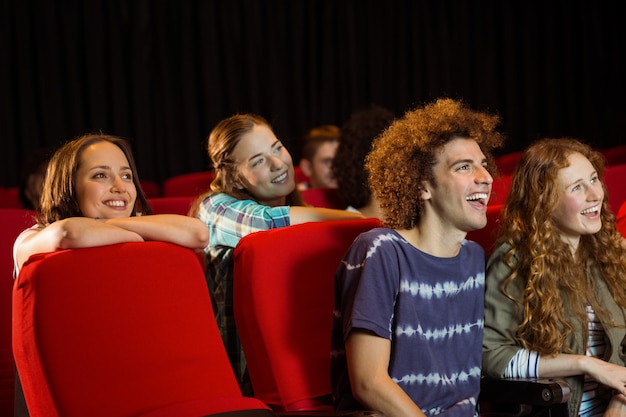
(118, 185)
(483, 176)
(276, 163)
(596, 192)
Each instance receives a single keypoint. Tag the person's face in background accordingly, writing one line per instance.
(319, 170)
(264, 166)
(580, 205)
(104, 182)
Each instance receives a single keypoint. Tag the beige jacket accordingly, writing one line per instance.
(503, 317)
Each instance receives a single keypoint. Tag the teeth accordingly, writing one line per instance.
(115, 203)
(280, 178)
(590, 210)
(477, 196)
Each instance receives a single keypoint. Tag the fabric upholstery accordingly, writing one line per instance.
(500, 189)
(171, 205)
(487, 236)
(12, 222)
(323, 197)
(120, 330)
(614, 177)
(283, 301)
(191, 184)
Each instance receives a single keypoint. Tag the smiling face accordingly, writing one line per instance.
(265, 168)
(321, 167)
(104, 182)
(578, 210)
(458, 200)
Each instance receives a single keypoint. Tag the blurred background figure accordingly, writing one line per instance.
(32, 176)
(357, 134)
(318, 150)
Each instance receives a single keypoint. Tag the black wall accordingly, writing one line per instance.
(162, 72)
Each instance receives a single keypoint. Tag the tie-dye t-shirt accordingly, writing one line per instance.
(430, 308)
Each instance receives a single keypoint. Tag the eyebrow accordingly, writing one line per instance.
(261, 153)
(582, 179)
(108, 167)
(466, 161)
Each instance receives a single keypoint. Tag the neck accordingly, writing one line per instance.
(432, 242)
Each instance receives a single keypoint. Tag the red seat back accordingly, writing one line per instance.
(323, 197)
(283, 304)
(506, 163)
(615, 181)
(615, 155)
(151, 188)
(121, 330)
(500, 189)
(487, 236)
(9, 198)
(192, 184)
(12, 222)
(171, 205)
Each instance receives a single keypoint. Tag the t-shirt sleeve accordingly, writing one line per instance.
(369, 285)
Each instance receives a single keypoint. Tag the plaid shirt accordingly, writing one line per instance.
(229, 219)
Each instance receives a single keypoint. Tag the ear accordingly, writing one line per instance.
(305, 166)
(425, 193)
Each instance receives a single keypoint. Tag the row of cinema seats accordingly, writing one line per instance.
(141, 340)
(614, 155)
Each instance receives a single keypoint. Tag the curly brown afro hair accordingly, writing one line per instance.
(402, 157)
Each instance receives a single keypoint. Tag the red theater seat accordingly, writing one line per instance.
(192, 184)
(487, 236)
(9, 198)
(615, 181)
(506, 163)
(150, 188)
(171, 205)
(284, 308)
(323, 197)
(615, 155)
(12, 222)
(122, 330)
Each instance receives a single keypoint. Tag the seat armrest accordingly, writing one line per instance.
(532, 391)
(523, 397)
(324, 413)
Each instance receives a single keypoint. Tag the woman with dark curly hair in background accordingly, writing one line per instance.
(555, 301)
(408, 320)
(357, 135)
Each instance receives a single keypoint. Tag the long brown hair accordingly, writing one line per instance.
(221, 144)
(553, 278)
(58, 197)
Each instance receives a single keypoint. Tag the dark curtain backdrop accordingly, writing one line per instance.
(162, 73)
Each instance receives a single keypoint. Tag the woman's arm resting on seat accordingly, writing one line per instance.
(183, 230)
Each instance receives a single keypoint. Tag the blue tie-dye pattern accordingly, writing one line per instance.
(430, 308)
